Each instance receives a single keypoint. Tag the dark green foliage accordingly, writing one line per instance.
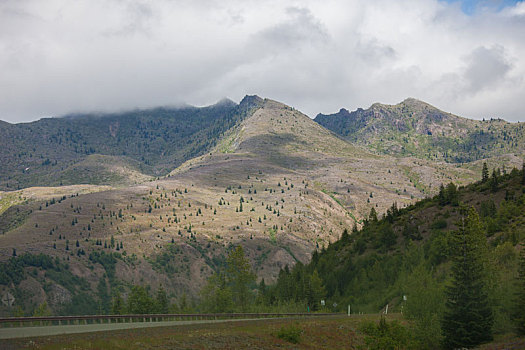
(139, 301)
(448, 195)
(519, 314)
(495, 180)
(81, 304)
(240, 276)
(217, 296)
(468, 318)
(291, 334)
(118, 307)
(523, 174)
(485, 173)
(161, 301)
(13, 271)
(386, 335)
(104, 297)
(107, 260)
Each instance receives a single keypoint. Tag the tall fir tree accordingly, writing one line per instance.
(523, 174)
(485, 173)
(468, 318)
(118, 306)
(240, 276)
(519, 316)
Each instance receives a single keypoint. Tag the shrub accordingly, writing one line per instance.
(290, 334)
(386, 335)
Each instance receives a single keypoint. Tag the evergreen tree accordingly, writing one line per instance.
(103, 295)
(345, 236)
(494, 180)
(118, 305)
(468, 318)
(139, 301)
(240, 277)
(161, 301)
(42, 310)
(451, 194)
(441, 196)
(519, 317)
(484, 173)
(316, 291)
(262, 293)
(372, 217)
(217, 295)
(523, 174)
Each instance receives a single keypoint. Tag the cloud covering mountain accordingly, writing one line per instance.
(58, 57)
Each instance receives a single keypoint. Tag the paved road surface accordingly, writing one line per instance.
(37, 331)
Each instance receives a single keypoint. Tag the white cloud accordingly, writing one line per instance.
(61, 56)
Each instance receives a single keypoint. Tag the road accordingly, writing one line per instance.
(41, 331)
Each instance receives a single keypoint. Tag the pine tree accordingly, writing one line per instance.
(441, 195)
(494, 180)
(240, 277)
(345, 236)
(523, 174)
(468, 318)
(118, 305)
(161, 301)
(485, 173)
(519, 316)
(372, 217)
(316, 291)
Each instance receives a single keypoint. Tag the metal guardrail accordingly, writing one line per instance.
(94, 319)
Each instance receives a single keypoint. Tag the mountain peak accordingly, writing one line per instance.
(251, 99)
(225, 102)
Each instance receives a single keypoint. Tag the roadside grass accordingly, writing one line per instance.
(331, 332)
(334, 332)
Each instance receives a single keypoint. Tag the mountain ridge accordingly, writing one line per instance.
(416, 128)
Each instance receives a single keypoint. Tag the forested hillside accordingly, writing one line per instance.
(83, 148)
(404, 258)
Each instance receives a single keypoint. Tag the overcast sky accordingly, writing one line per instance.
(62, 56)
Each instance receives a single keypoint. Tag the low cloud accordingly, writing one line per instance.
(486, 68)
(59, 56)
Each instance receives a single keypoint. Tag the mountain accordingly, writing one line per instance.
(415, 128)
(275, 182)
(118, 148)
